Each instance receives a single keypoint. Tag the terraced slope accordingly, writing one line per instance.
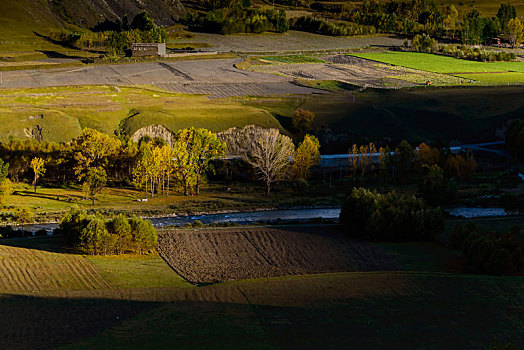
(28, 270)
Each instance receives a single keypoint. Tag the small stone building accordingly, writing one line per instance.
(148, 49)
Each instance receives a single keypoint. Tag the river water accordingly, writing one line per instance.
(281, 215)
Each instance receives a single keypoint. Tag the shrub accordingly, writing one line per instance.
(119, 227)
(197, 224)
(435, 188)
(95, 239)
(374, 216)
(490, 252)
(96, 234)
(143, 233)
(424, 43)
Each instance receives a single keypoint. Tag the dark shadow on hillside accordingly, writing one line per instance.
(52, 244)
(47, 323)
(375, 321)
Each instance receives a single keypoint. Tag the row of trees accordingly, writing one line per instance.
(438, 171)
(94, 158)
(426, 16)
(232, 20)
(95, 234)
(322, 26)
(185, 162)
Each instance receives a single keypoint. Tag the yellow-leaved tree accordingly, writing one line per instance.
(306, 156)
(37, 164)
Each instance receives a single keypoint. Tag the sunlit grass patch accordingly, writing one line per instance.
(440, 64)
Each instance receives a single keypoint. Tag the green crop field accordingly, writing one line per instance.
(132, 301)
(441, 64)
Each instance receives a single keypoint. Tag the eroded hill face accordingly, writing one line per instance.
(90, 13)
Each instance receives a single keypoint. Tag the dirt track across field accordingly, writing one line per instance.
(216, 255)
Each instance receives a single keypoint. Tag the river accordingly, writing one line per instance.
(280, 216)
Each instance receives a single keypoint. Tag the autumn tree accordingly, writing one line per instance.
(93, 149)
(94, 181)
(303, 120)
(365, 158)
(23, 216)
(353, 160)
(451, 19)
(514, 32)
(183, 163)
(306, 156)
(203, 146)
(270, 157)
(426, 155)
(460, 167)
(5, 185)
(37, 164)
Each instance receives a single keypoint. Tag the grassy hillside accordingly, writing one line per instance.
(128, 302)
(423, 114)
(67, 110)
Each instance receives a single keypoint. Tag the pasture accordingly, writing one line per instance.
(67, 110)
(417, 115)
(440, 64)
(130, 301)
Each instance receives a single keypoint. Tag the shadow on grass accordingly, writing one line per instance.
(59, 198)
(453, 320)
(52, 244)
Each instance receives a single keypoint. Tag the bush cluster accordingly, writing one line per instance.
(490, 252)
(476, 54)
(240, 20)
(99, 235)
(424, 43)
(373, 216)
(321, 26)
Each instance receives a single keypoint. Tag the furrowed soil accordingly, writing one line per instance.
(31, 270)
(216, 255)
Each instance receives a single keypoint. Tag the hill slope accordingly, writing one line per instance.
(88, 13)
(20, 19)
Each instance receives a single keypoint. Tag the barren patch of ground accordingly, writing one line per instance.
(216, 255)
(218, 78)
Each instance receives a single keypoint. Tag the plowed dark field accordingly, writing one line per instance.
(217, 255)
